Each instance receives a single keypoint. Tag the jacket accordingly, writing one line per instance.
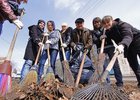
(54, 38)
(85, 38)
(96, 38)
(123, 33)
(6, 13)
(32, 47)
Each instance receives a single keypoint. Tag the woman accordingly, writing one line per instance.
(128, 39)
(53, 40)
(35, 33)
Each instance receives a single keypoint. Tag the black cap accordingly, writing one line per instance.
(79, 20)
(39, 21)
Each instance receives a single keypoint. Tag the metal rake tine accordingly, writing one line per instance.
(91, 94)
(95, 96)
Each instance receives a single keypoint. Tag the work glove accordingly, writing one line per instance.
(18, 23)
(103, 37)
(64, 45)
(46, 34)
(119, 48)
(48, 42)
(40, 44)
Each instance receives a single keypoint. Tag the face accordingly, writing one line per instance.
(50, 26)
(97, 24)
(80, 26)
(64, 28)
(108, 24)
(41, 25)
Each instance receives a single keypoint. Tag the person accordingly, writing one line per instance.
(81, 35)
(128, 39)
(53, 40)
(108, 49)
(81, 42)
(66, 39)
(9, 11)
(36, 34)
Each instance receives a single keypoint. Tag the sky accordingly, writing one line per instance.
(65, 11)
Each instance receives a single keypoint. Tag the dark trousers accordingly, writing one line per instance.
(133, 51)
(116, 68)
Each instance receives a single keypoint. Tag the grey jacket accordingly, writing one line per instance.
(54, 38)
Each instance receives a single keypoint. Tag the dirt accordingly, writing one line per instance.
(57, 91)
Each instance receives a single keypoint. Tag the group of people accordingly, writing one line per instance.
(126, 36)
(79, 39)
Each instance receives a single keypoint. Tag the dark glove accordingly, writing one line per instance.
(79, 47)
(103, 37)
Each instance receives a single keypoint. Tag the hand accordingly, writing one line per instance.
(46, 34)
(18, 23)
(40, 44)
(103, 37)
(86, 50)
(64, 45)
(48, 42)
(120, 49)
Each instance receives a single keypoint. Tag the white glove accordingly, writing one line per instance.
(46, 34)
(18, 23)
(40, 44)
(64, 45)
(48, 42)
(120, 49)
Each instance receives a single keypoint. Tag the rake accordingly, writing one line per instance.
(49, 74)
(99, 63)
(68, 77)
(32, 75)
(6, 67)
(101, 90)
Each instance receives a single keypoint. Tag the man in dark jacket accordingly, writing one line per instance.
(128, 39)
(109, 48)
(66, 39)
(35, 33)
(81, 35)
(9, 11)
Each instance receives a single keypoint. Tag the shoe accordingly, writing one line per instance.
(119, 85)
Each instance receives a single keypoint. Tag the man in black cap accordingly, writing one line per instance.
(81, 35)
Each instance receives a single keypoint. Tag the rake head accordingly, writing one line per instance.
(99, 91)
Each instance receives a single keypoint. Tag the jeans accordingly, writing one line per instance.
(1, 25)
(116, 68)
(67, 53)
(53, 56)
(25, 69)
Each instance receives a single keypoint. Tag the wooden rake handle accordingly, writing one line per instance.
(103, 43)
(109, 67)
(80, 70)
(39, 51)
(11, 48)
(63, 51)
(48, 53)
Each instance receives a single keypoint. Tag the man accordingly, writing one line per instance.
(81, 35)
(109, 48)
(35, 33)
(81, 42)
(66, 39)
(9, 11)
(128, 39)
